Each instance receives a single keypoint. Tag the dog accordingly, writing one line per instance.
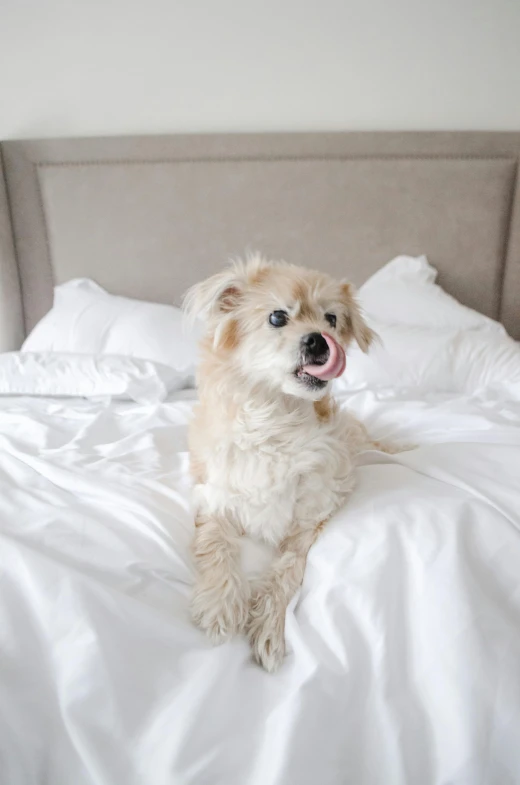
(271, 454)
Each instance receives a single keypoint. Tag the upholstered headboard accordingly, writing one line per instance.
(146, 217)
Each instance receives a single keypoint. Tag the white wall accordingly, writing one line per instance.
(71, 67)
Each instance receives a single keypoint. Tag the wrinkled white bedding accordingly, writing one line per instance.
(404, 663)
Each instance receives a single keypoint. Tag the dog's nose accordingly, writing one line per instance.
(315, 344)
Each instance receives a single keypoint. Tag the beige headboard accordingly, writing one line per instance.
(146, 217)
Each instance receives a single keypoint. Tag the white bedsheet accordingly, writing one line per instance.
(404, 663)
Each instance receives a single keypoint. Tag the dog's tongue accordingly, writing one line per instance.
(335, 364)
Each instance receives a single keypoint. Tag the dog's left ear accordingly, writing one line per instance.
(218, 295)
(356, 325)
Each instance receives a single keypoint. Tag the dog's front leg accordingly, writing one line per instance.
(272, 593)
(220, 599)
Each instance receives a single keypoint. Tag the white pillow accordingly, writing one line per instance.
(404, 292)
(428, 339)
(85, 319)
(86, 376)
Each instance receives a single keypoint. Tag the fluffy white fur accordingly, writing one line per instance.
(271, 455)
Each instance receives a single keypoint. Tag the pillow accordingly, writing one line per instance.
(404, 292)
(428, 339)
(85, 319)
(86, 376)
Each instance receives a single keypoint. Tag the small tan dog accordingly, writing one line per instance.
(271, 454)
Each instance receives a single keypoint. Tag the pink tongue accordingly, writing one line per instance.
(335, 364)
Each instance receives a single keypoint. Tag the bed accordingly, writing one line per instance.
(404, 642)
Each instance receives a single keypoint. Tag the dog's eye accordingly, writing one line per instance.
(331, 318)
(278, 318)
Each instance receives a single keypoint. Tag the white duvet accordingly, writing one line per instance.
(404, 642)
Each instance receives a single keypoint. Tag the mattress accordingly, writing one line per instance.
(403, 643)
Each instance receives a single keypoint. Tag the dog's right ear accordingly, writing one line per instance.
(218, 295)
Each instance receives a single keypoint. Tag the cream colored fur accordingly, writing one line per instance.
(270, 458)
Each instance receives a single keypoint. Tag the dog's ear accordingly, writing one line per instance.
(218, 295)
(356, 325)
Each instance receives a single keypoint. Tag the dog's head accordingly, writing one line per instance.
(277, 324)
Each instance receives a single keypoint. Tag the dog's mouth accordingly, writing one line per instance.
(310, 381)
(316, 371)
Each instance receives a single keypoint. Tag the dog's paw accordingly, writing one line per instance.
(221, 613)
(266, 630)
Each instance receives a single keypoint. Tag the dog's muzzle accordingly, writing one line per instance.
(323, 357)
